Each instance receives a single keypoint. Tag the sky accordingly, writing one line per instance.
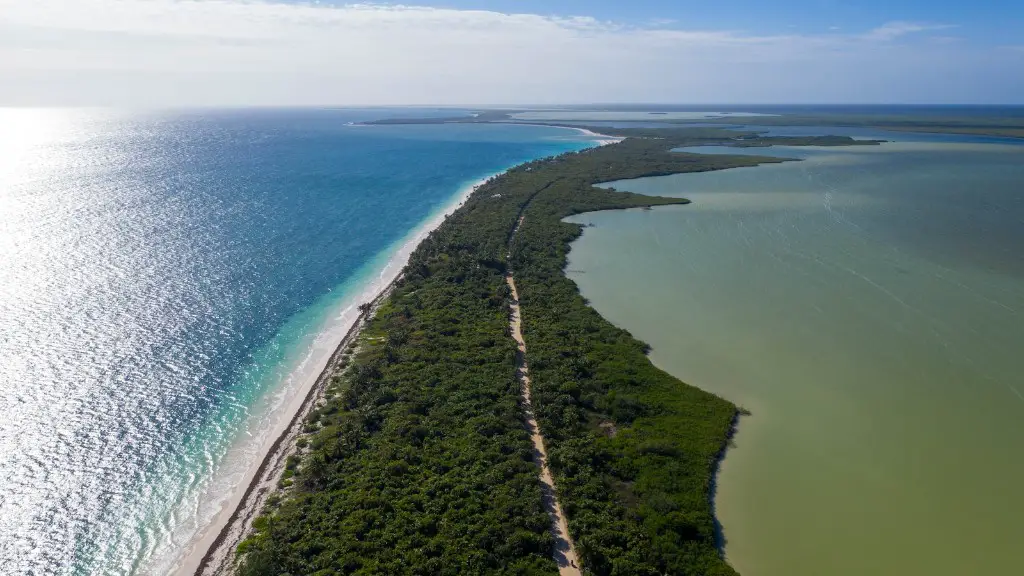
(156, 53)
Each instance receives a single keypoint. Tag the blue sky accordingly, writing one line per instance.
(986, 20)
(509, 52)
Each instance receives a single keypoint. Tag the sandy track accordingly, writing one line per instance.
(565, 549)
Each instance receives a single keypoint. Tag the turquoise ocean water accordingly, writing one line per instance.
(162, 275)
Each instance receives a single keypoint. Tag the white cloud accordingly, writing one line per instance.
(894, 30)
(249, 52)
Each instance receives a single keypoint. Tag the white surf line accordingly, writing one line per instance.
(565, 548)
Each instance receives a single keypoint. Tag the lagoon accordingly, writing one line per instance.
(865, 304)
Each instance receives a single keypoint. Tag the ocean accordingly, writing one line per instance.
(163, 277)
(865, 305)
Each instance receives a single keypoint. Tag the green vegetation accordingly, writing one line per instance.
(1004, 126)
(740, 139)
(759, 141)
(417, 461)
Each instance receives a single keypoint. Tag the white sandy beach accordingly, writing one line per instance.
(273, 447)
(603, 139)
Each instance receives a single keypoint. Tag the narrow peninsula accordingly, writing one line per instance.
(419, 458)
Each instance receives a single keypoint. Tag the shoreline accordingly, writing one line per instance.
(605, 139)
(602, 139)
(716, 471)
(211, 550)
(220, 552)
(727, 445)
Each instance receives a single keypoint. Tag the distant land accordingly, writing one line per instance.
(1000, 121)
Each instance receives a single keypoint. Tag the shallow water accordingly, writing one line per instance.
(163, 276)
(866, 305)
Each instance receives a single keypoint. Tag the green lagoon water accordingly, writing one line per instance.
(867, 306)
